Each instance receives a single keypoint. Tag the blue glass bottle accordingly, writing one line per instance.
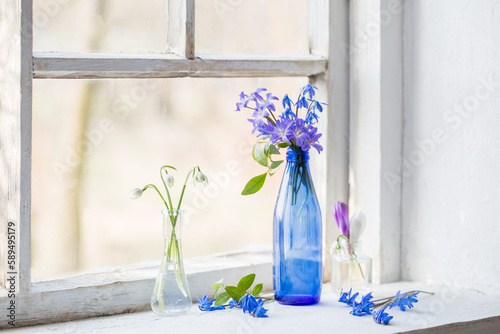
(297, 249)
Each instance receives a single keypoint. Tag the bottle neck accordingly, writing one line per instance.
(172, 223)
(296, 154)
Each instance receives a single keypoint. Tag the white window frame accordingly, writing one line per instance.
(128, 289)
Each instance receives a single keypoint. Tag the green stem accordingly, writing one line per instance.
(388, 300)
(352, 254)
(191, 171)
(166, 188)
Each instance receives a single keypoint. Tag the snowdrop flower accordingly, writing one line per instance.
(169, 180)
(201, 178)
(135, 193)
(356, 226)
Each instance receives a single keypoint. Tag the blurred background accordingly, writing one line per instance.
(94, 140)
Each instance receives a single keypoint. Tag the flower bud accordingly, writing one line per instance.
(356, 226)
(169, 180)
(135, 193)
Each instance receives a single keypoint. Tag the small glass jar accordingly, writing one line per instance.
(350, 268)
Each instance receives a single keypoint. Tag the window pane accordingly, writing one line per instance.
(94, 140)
(100, 26)
(251, 26)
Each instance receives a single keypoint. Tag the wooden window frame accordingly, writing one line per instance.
(128, 289)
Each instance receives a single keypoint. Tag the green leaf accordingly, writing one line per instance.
(276, 164)
(217, 287)
(266, 148)
(258, 155)
(283, 145)
(235, 292)
(222, 299)
(246, 282)
(273, 150)
(257, 289)
(167, 166)
(254, 185)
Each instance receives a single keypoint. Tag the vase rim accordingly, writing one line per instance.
(167, 211)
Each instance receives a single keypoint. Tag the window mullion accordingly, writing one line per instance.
(180, 27)
(328, 30)
(15, 144)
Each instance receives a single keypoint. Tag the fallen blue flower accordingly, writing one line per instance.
(233, 303)
(381, 317)
(403, 301)
(347, 298)
(248, 303)
(207, 305)
(259, 311)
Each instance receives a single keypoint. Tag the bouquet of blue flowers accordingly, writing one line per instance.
(294, 126)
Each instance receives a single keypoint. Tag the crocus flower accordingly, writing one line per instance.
(135, 193)
(380, 317)
(356, 226)
(206, 304)
(341, 214)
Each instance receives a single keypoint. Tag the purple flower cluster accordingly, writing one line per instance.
(288, 127)
(366, 306)
(248, 303)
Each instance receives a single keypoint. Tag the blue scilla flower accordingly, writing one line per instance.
(347, 298)
(311, 118)
(288, 114)
(309, 89)
(259, 310)
(287, 102)
(363, 308)
(206, 304)
(233, 303)
(403, 301)
(315, 105)
(302, 102)
(381, 317)
(248, 303)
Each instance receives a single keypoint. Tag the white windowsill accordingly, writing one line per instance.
(455, 309)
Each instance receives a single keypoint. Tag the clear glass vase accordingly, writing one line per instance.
(171, 295)
(297, 246)
(350, 268)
